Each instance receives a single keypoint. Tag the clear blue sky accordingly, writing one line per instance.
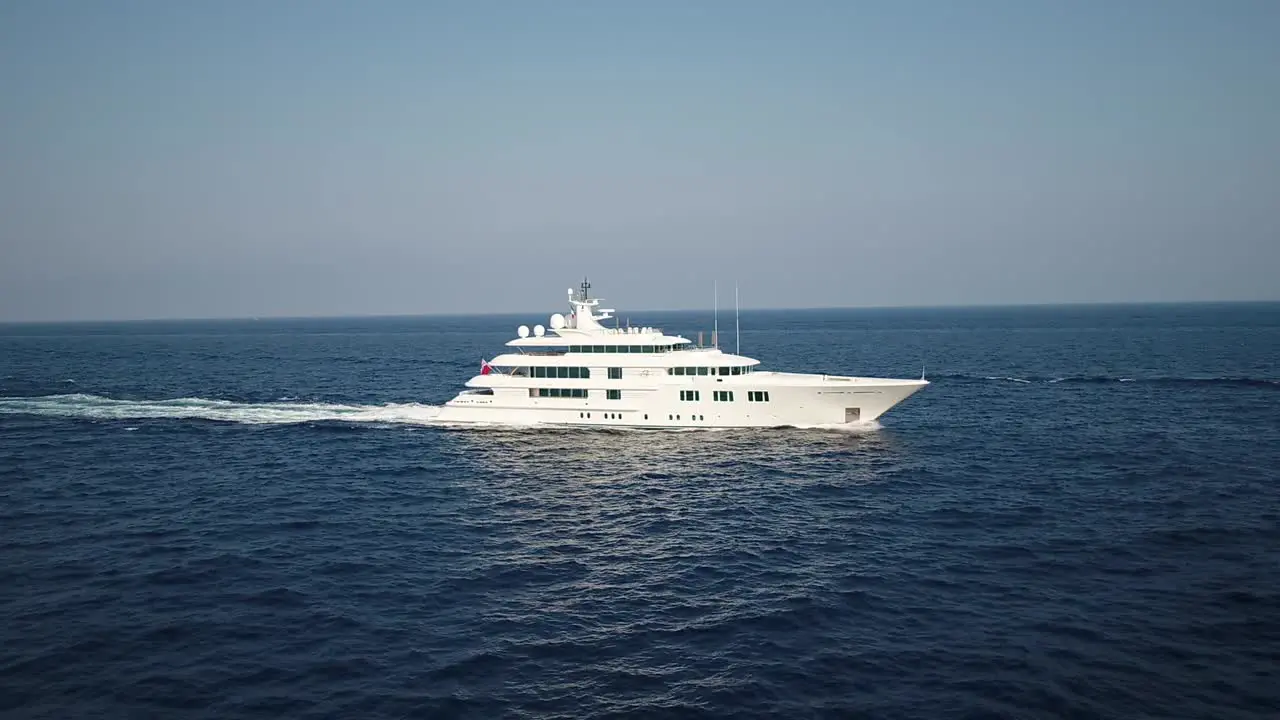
(303, 157)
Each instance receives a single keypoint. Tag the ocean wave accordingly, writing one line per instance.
(95, 407)
(1265, 383)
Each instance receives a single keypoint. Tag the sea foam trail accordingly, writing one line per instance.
(95, 407)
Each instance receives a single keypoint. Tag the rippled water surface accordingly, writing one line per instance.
(1080, 517)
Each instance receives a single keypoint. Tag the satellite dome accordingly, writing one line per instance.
(557, 321)
(538, 330)
(523, 331)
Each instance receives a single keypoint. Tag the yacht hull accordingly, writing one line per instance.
(793, 400)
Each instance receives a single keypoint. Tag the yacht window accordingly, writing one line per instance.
(690, 371)
(735, 371)
(586, 373)
(562, 372)
(724, 371)
(613, 394)
(573, 373)
(636, 349)
(671, 371)
(624, 348)
(702, 371)
(679, 371)
(598, 348)
(611, 348)
(615, 373)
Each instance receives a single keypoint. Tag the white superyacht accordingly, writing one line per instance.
(581, 373)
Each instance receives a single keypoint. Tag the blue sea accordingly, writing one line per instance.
(1078, 518)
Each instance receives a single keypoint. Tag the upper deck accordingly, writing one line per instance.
(582, 332)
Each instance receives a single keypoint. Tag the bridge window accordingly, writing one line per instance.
(568, 373)
(560, 393)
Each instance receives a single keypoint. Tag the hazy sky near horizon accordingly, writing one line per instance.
(311, 157)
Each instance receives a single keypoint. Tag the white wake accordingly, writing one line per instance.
(95, 407)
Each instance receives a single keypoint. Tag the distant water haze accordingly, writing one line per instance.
(239, 159)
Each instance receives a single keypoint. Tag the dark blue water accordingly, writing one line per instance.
(1079, 518)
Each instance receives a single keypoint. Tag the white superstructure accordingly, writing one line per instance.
(579, 372)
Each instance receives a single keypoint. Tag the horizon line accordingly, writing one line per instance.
(506, 313)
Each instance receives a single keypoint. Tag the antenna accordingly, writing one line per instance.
(715, 332)
(737, 329)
